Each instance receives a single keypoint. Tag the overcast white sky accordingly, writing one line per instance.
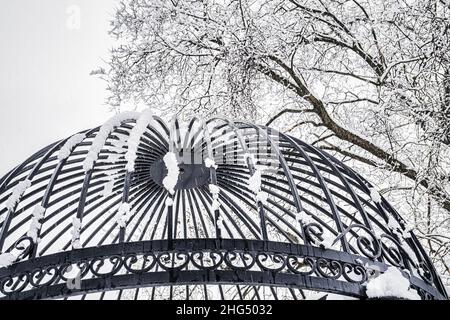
(46, 56)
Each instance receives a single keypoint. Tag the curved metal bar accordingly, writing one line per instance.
(87, 180)
(252, 170)
(219, 277)
(213, 175)
(7, 222)
(125, 199)
(287, 173)
(52, 182)
(138, 199)
(363, 184)
(318, 219)
(325, 189)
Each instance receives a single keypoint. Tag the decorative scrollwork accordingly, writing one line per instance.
(330, 269)
(425, 272)
(26, 246)
(273, 262)
(144, 263)
(44, 277)
(366, 240)
(209, 261)
(354, 273)
(66, 270)
(16, 283)
(316, 264)
(173, 260)
(392, 250)
(104, 266)
(424, 295)
(301, 265)
(239, 260)
(314, 232)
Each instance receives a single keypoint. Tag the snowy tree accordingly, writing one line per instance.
(368, 81)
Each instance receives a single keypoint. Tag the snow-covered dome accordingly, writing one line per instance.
(140, 208)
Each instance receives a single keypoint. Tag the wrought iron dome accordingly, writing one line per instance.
(142, 209)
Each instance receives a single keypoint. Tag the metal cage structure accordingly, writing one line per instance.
(240, 212)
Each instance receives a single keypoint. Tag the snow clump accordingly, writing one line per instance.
(68, 147)
(304, 218)
(262, 197)
(215, 190)
(76, 230)
(17, 193)
(103, 135)
(173, 171)
(374, 195)
(123, 215)
(169, 202)
(392, 283)
(210, 163)
(7, 259)
(38, 215)
(254, 183)
(108, 187)
(138, 131)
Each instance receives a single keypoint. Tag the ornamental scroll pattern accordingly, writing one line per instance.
(177, 261)
(385, 248)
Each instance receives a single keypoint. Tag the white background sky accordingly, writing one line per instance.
(46, 92)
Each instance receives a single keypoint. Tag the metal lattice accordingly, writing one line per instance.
(311, 224)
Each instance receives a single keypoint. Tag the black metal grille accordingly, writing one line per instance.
(313, 224)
